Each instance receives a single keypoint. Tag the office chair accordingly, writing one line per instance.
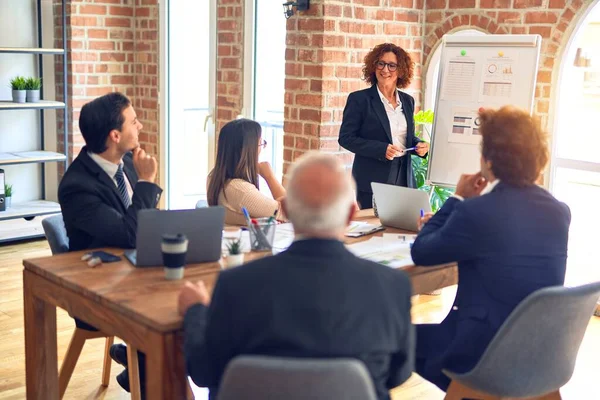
(259, 378)
(533, 354)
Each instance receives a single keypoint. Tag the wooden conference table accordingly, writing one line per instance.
(137, 305)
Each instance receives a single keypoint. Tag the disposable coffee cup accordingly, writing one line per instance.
(174, 251)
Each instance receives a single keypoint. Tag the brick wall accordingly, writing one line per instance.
(230, 47)
(113, 46)
(325, 50)
(554, 20)
(146, 79)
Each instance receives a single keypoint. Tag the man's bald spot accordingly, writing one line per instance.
(317, 184)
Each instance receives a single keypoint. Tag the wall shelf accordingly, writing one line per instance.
(23, 213)
(40, 105)
(30, 209)
(29, 157)
(31, 50)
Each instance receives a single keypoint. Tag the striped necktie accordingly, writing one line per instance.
(122, 186)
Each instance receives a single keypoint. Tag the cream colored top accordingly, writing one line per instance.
(239, 193)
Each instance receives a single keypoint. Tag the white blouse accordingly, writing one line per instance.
(398, 125)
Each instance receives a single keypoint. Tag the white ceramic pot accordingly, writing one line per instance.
(33, 96)
(234, 260)
(19, 96)
(8, 202)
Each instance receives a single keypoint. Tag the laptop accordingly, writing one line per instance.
(202, 226)
(400, 207)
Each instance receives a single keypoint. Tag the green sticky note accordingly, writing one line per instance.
(463, 52)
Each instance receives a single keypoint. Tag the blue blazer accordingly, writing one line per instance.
(315, 299)
(366, 132)
(508, 243)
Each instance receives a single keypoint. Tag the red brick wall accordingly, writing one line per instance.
(554, 20)
(324, 56)
(146, 79)
(113, 46)
(230, 47)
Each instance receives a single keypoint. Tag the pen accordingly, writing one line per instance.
(271, 218)
(410, 148)
(422, 213)
(246, 214)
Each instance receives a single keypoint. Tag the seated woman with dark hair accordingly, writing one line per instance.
(233, 183)
(508, 235)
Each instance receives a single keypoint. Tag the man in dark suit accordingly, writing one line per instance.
(509, 239)
(111, 179)
(315, 299)
(108, 183)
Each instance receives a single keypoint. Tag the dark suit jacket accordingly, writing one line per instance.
(508, 244)
(365, 131)
(314, 300)
(92, 209)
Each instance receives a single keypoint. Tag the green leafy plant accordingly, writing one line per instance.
(18, 83)
(423, 121)
(33, 83)
(234, 247)
(438, 194)
(8, 190)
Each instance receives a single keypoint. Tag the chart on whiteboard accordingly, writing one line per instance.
(498, 77)
(459, 75)
(465, 126)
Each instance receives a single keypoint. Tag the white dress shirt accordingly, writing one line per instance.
(486, 190)
(398, 125)
(111, 170)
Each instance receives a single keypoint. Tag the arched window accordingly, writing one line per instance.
(575, 163)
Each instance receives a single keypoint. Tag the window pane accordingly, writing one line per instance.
(581, 191)
(269, 83)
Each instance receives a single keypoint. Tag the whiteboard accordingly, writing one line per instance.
(477, 71)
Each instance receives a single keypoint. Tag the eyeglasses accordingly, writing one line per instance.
(391, 66)
(263, 144)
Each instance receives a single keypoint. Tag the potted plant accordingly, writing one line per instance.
(18, 85)
(33, 86)
(235, 256)
(8, 195)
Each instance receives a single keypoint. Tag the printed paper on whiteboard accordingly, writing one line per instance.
(497, 78)
(459, 75)
(465, 126)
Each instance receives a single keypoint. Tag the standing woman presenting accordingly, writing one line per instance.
(378, 124)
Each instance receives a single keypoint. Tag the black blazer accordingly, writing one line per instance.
(314, 300)
(508, 244)
(92, 209)
(365, 131)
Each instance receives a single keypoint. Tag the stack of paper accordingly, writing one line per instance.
(388, 251)
(358, 229)
(284, 236)
(403, 237)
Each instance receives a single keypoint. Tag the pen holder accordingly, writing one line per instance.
(262, 234)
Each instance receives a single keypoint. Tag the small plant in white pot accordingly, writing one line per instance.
(18, 86)
(235, 256)
(33, 86)
(7, 195)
